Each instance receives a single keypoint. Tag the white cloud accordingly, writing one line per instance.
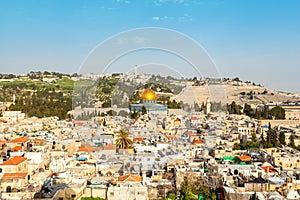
(185, 18)
(163, 18)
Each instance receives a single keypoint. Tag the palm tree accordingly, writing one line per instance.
(123, 141)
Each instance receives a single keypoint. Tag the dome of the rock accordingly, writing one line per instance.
(148, 94)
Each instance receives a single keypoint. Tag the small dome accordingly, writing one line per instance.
(148, 94)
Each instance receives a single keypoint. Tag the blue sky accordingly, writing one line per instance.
(256, 40)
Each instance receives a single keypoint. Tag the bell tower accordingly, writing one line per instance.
(208, 105)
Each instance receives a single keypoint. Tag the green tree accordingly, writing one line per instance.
(144, 110)
(134, 114)
(206, 192)
(282, 138)
(249, 111)
(265, 112)
(123, 141)
(262, 139)
(111, 113)
(277, 112)
(253, 137)
(236, 146)
(236, 79)
(271, 137)
(170, 196)
(292, 142)
(245, 146)
(106, 104)
(234, 108)
(187, 190)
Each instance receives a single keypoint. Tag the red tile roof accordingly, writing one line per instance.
(113, 181)
(171, 137)
(245, 158)
(14, 161)
(69, 120)
(20, 140)
(177, 120)
(197, 141)
(269, 169)
(55, 174)
(87, 148)
(138, 139)
(130, 178)
(3, 141)
(17, 148)
(14, 176)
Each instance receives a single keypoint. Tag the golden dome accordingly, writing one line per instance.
(148, 94)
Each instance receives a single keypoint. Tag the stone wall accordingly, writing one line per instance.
(238, 196)
(95, 192)
(160, 191)
(292, 123)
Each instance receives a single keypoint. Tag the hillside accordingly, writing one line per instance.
(240, 92)
(47, 94)
(40, 94)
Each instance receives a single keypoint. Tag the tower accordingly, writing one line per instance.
(135, 70)
(208, 105)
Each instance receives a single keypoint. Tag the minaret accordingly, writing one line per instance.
(208, 105)
(135, 70)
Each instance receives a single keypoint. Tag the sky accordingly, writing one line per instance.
(255, 40)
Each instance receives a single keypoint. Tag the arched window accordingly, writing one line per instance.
(8, 189)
